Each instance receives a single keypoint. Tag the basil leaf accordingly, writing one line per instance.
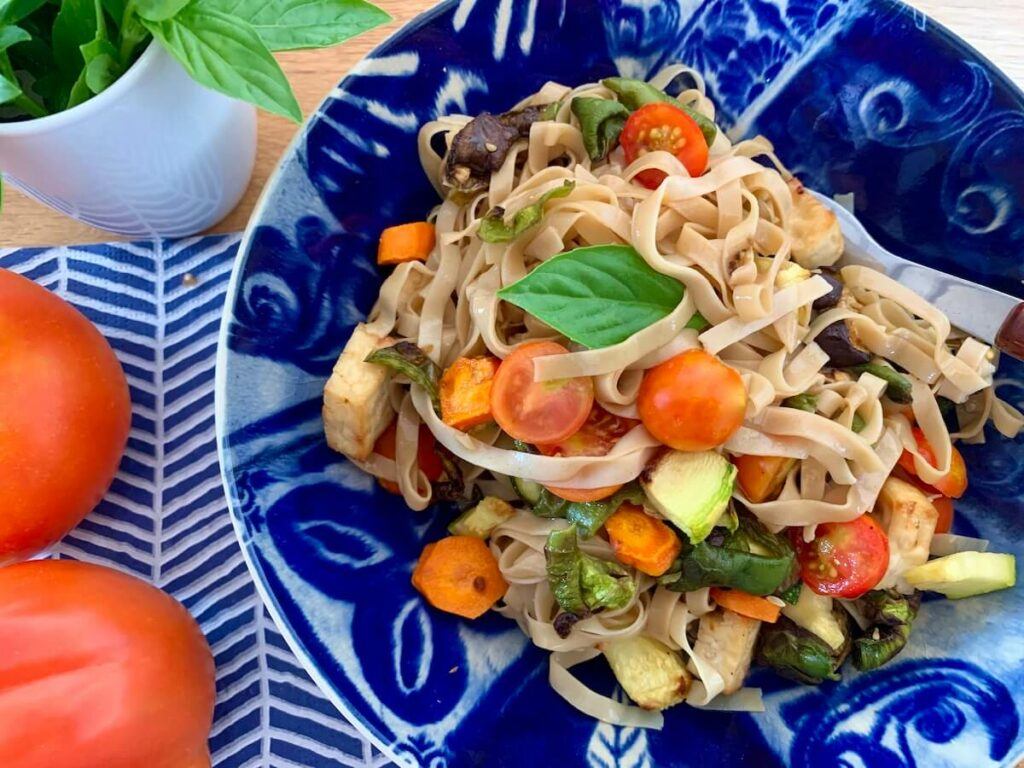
(287, 25)
(494, 229)
(12, 11)
(11, 35)
(596, 296)
(225, 54)
(9, 91)
(102, 65)
(76, 25)
(636, 93)
(698, 323)
(601, 122)
(160, 10)
(411, 361)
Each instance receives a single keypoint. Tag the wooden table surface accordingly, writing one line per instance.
(994, 27)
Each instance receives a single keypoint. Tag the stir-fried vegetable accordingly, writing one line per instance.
(891, 615)
(587, 516)
(465, 392)
(954, 483)
(482, 519)
(427, 457)
(761, 477)
(412, 362)
(637, 93)
(582, 584)
(746, 604)
(839, 343)
(651, 673)
(459, 575)
(898, 386)
(690, 489)
(751, 559)
(666, 128)
(601, 122)
(495, 228)
(406, 242)
(642, 541)
(803, 402)
(796, 654)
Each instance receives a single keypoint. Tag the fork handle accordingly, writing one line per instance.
(1010, 338)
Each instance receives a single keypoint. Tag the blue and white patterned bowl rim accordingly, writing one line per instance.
(268, 194)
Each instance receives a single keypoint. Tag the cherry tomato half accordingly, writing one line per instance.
(944, 506)
(539, 412)
(845, 559)
(598, 435)
(954, 484)
(666, 127)
(693, 402)
(426, 454)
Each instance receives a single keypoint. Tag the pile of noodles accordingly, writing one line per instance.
(705, 232)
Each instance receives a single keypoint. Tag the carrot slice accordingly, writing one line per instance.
(466, 392)
(745, 604)
(406, 242)
(641, 540)
(459, 575)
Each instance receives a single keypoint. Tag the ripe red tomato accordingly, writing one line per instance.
(693, 402)
(954, 484)
(426, 454)
(944, 506)
(64, 417)
(98, 668)
(598, 435)
(845, 559)
(539, 412)
(666, 127)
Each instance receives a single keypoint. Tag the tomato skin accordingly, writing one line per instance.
(426, 454)
(693, 402)
(98, 668)
(944, 506)
(598, 435)
(845, 559)
(663, 126)
(539, 412)
(65, 414)
(954, 484)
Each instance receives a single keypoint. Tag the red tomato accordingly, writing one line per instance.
(98, 668)
(693, 402)
(426, 454)
(944, 506)
(666, 127)
(64, 417)
(845, 559)
(954, 483)
(539, 412)
(597, 436)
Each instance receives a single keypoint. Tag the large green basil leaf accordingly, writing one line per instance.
(160, 10)
(9, 91)
(287, 25)
(76, 25)
(494, 228)
(596, 296)
(12, 11)
(601, 122)
(225, 53)
(11, 35)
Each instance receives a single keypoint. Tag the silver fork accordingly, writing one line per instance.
(989, 315)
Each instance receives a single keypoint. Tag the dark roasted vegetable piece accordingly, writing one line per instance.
(891, 615)
(582, 584)
(411, 361)
(494, 228)
(791, 595)
(636, 93)
(725, 560)
(601, 122)
(898, 389)
(949, 415)
(838, 344)
(831, 298)
(453, 487)
(804, 402)
(482, 145)
(796, 654)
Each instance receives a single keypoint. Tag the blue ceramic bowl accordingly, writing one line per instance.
(863, 96)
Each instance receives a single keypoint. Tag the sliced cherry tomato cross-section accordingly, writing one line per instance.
(844, 559)
(663, 126)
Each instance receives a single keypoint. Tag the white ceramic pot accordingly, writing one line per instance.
(155, 155)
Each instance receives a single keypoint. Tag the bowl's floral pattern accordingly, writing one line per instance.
(862, 96)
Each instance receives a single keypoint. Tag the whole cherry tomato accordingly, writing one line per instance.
(844, 559)
(64, 417)
(99, 670)
(693, 402)
(539, 412)
(666, 127)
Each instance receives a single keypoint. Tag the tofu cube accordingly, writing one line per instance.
(726, 641)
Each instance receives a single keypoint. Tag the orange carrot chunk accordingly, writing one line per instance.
(406, 242)
(746, 604)
(459, 575)
(762, 477)
(642, 541)
(466, 392)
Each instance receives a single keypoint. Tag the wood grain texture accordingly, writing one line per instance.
(994, 27)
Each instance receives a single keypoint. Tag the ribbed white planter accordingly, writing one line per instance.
(155, 155)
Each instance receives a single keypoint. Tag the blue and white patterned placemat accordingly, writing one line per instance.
(165, 518)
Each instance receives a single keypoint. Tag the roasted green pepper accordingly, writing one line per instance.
(796, 654)
(891, 615)
(601, 123)
(411, 361)
(588, 516)
(636, 93)
(495, 229)
(804, 402)
(898, 389)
